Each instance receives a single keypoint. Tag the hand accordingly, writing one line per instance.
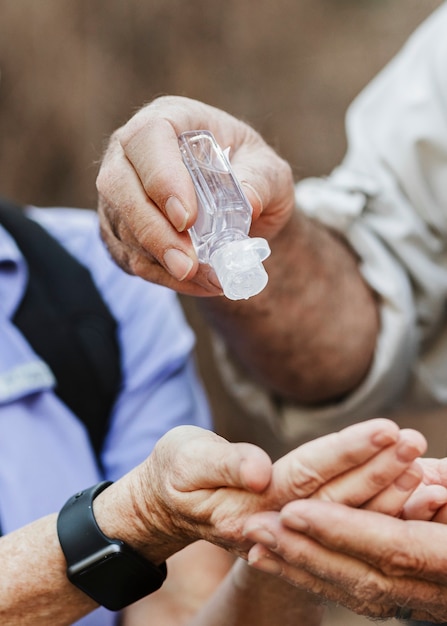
(429, 501)
(147, 201)
(341, 468)
(196, 485)
(369, 562)
(284, 549)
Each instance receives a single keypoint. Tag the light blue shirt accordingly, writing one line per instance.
(45, 454)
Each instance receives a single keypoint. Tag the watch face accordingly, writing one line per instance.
(115, 577)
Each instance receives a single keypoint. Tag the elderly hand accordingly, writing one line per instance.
(196, 485)
(147, 200)
(371, 563)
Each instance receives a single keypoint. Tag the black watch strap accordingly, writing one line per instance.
(106, 569)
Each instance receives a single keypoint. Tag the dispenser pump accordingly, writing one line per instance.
(220, 233)
(238, 266)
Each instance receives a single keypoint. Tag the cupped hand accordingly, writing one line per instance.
(203, 487)
(146, 199)
(344, 545)
(197, 485)
(374, 564)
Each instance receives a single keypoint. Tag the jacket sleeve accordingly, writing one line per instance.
(388, 198)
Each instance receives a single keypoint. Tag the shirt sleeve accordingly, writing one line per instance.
(388, 198)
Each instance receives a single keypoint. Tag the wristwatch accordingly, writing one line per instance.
(107, 570)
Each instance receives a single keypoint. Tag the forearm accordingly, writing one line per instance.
(250, 598)
(34, 588)
(310, 335)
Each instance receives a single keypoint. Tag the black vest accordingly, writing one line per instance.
(66, 321)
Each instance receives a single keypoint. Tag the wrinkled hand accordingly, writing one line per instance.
(366, 561)
(201, 486)
(146, 199)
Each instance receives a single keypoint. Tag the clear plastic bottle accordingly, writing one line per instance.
(220, 233)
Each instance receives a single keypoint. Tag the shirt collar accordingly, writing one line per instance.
(13, 274)
(21, 372)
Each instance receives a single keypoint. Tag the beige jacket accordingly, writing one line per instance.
(389, 199)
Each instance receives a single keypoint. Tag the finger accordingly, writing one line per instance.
(152, 149)
(394, 546)
(435, 471)
(337, 577)
(135, 213)
(392, 499)
(374, 597)
(201, 459)
(341, 576)
(267, 561)
(303, 471)
(140, 238)
(135, 260)
(441, 515)
(119, 251)
(150, 142)
(425, 503)
(362, 484)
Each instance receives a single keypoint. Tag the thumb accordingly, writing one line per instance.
(201, 459)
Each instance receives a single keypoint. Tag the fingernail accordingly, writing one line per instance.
(410, 479)
(261, 535)
(436, 504)
(407, 451)
(177, 213)
(292, 520)
(384, 438)
(178, 263)
(268, 565)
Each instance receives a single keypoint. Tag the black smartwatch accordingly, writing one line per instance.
(107, 570)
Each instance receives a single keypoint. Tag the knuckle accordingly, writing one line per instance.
(104, 180)
(398, 560)
(119, 253)
(163, 101)
(378, 479)
(304, 480)
(372, 588)
(350, 456)
(158, 177)
(139, 265)
(375, 611)
(377, 596)
(285, 171)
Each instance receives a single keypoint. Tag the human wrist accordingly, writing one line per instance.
(127, 512)
(107, 569)
(310, 335)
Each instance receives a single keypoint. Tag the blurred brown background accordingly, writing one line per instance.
(74, 70)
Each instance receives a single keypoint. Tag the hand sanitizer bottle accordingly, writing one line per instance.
(220, 233)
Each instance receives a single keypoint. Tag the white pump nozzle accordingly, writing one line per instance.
(238, 266)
